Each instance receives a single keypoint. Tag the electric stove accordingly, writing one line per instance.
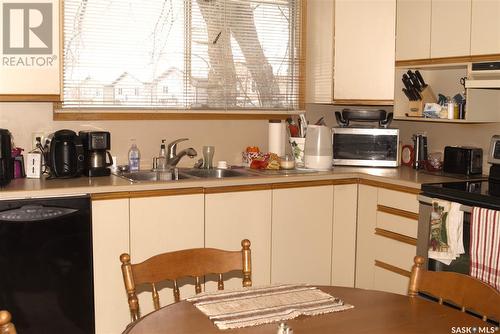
(470, 193)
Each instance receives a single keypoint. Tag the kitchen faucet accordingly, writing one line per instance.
(173, 158)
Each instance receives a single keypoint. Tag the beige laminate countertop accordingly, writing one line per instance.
(27, 188)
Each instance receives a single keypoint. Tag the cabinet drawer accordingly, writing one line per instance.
(386, 280)
(394, 252)
(398, 200)
(397, 224)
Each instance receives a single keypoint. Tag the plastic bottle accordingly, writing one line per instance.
(451, 109)
(134, 157)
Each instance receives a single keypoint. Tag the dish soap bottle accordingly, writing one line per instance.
(134, 157)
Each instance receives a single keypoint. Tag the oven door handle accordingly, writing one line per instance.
(428, 201)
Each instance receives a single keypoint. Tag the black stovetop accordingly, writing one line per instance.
(471, 193)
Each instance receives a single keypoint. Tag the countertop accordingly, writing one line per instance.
(28, 188)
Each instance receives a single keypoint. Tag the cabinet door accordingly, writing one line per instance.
(163, 224)
(302, 235)
(234, 216)
(319, 51)
(345, 200)
(485, 29)
(364, 50)
(450, 28)
(413, 29)
(110, 238)
(367, 217)
(30, 58)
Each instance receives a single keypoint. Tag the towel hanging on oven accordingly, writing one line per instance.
(485, 246)
(446, 231)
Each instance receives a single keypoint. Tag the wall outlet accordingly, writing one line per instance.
(35, 135)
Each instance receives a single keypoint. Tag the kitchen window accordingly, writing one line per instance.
(227, 55)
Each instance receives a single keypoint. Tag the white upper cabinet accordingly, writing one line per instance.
(450, 28)
(350, 51)
(413, 29)
(485, 29)
(364, 50)
(30, 50)
(319, 51)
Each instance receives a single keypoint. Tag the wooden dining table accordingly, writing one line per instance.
(374, 312)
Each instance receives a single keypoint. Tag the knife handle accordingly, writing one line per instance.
(407, 94)
(420, 78)
(414, 80)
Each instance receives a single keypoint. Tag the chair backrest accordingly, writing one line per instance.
(464, 291)
(172, 266)
(6, 326)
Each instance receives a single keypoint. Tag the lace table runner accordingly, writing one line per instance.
(261, 305)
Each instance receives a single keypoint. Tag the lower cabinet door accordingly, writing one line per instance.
(162, 224)
(233, 216)
(110, 238)
(302, 235)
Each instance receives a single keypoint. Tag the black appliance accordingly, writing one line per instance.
(65, 156)
(6, 163)
(346, 116)
(46, 257)
(97, 157)
(463, 160)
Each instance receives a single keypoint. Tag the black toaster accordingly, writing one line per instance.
(463, 160)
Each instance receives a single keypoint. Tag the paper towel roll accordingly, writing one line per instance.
(276, 137)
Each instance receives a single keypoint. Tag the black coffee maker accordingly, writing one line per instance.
(97, 157)
(6, 162)
(65, 156)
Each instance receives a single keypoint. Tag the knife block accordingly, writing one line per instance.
(416, 108)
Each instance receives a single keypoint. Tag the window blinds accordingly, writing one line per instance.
(182, 54)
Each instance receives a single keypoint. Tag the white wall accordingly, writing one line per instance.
(230, 138)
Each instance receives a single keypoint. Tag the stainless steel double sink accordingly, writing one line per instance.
(184, 173)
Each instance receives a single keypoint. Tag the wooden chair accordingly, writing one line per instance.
(172, 266)
(465, 292)
(6, 327)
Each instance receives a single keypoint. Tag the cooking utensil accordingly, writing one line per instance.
(303, 124)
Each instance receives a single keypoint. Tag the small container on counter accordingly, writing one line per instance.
(287, 162)
(222, 164)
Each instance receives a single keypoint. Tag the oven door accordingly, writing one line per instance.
(459, 265)
(366, 147)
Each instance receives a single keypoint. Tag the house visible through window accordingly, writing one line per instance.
(182, 54)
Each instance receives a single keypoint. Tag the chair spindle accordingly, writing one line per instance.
(177, 294)
(156, 297)
(220, 282)
(198, 285)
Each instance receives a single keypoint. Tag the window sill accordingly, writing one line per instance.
(95, 114)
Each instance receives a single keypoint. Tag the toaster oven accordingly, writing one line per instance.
(372, 147)
(463, 160)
